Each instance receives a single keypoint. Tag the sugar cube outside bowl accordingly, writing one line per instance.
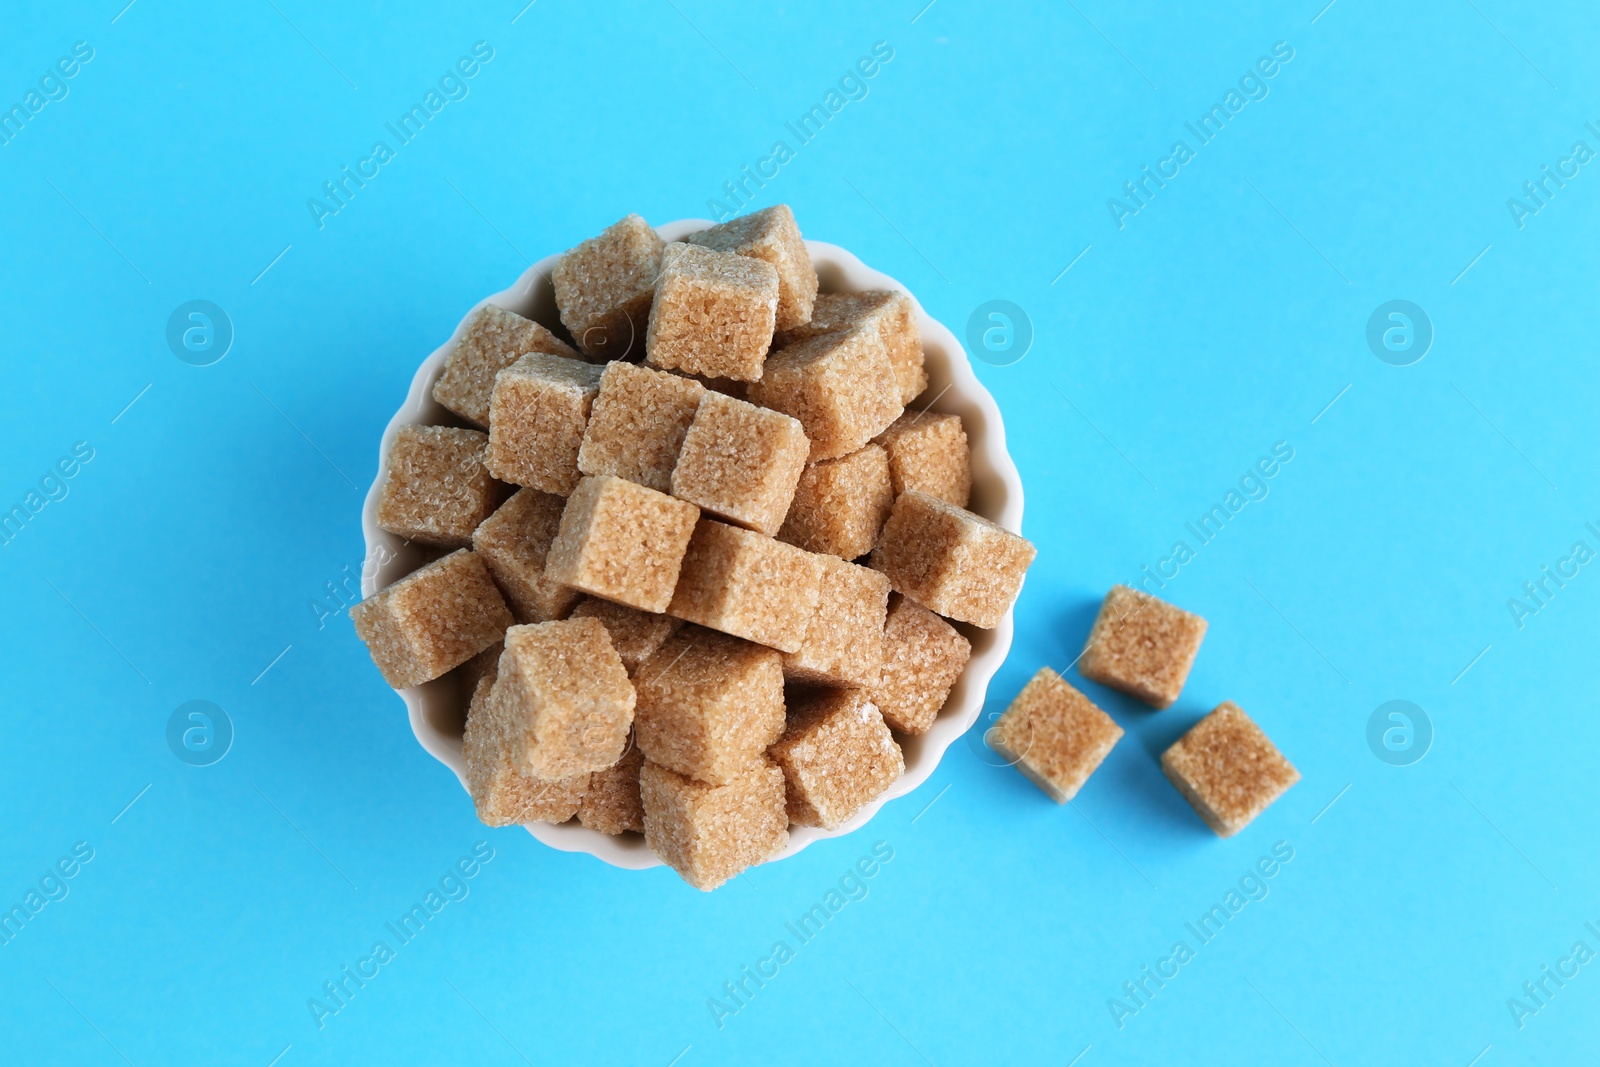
(437, 710)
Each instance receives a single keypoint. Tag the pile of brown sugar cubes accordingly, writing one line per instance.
(1225, 766)
(698, 595)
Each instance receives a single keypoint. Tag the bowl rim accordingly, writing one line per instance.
(995, 479)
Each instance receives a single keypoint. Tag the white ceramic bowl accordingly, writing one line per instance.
(438, 711)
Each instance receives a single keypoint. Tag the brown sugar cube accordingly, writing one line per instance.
(837, 757)
(437, 489)
(840, 386)
(928, 451)
(709, 704)
(634, 634)
(741, 462)
(709, 833)
(748, 585)
(604, 288)
(922, 657)
(1054, 735)
(433, 619)
(562, 698)
(841, 504)
(514, 542)
(725, 386)
(537, 417)
(501, 796)
(713, 313)
(637, 424)
(1142, 646)
(771, 234)
(621, 541)
(1227, 769)
(493, 339)
(951, 561)
(611, 802)
(887, 311)
(844, 640)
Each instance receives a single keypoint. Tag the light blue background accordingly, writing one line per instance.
(1224, 317)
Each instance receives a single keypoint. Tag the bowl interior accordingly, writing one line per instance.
(438, 711)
